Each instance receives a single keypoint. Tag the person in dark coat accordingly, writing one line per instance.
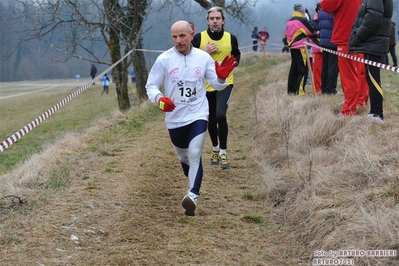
(93, 72)
(133, 75)
(370, 36)
(255, 37)
(392, 44)
(329, 71)
(285, 49)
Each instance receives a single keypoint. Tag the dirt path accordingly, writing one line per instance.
(123, 205)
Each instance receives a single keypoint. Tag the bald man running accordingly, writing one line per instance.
(181, 71)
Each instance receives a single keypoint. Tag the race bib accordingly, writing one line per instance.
(186, 91)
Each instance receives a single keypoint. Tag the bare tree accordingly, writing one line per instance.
(235, 8)
(72, 27)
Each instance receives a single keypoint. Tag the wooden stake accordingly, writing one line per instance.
(310, 70)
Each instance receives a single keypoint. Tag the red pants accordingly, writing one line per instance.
(353, 81)
(364, 87)
(317, 66)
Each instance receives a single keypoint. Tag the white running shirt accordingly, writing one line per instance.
(183, 79)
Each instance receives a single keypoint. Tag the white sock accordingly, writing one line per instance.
(216, 148)
(222, 151)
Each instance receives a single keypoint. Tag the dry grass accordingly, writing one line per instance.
(34, 99)
(335, 181)
(111, 196)
(301, 180)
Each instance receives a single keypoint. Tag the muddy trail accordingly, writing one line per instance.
(121, 204)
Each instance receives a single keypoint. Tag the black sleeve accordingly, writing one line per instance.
(308, 25)
(196, 40)
(235, 50)
(315, 24)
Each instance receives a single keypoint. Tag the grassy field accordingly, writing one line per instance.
(106, 189)
(22, 102)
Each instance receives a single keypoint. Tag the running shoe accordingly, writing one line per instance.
(375, 117)
(189, 203)
(224, 161)
(215, 158)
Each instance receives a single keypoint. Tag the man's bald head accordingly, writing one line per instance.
(182, 25)
(182, 34)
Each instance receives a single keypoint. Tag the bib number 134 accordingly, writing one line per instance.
(185, 93)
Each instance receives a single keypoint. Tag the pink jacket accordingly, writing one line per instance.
(298, 28)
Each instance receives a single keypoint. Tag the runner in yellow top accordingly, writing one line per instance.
(218, 43)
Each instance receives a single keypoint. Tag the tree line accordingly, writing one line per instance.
(59, 39)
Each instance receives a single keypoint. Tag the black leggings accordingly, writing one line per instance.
(374, 82)
(217, 127)
(298, 72)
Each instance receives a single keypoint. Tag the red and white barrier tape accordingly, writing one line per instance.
(23, 131)
(362, 60)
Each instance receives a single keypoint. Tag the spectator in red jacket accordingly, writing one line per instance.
(263, 37)
(353, 76)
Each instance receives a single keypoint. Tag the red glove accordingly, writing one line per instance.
(224, 69)
(166, 104)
